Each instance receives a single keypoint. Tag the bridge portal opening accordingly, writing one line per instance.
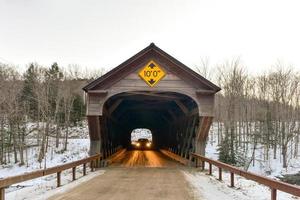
(172, 118)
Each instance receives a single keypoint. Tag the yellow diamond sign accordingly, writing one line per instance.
(152, 73)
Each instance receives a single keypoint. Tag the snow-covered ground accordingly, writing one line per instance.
(45, 187)
(271, 168)
(78, 131)
(209, 188)
(205, 187)
(37, 188)
(41, 188)
(77, 149)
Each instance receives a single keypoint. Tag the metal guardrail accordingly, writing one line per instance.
(93, 160)
(273, 184)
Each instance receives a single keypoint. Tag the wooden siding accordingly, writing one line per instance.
(170, 83)
(152, 52)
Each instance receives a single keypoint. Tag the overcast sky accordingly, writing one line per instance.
(97, 33)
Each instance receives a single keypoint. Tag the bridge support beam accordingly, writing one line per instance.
(202, 133)
(200, 147)
(95, 147)
(95, 134)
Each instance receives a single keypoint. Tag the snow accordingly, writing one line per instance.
(204, 186)
(43, 188)
(77, 149)
(207, 187)
(271, 167)
(78, 131)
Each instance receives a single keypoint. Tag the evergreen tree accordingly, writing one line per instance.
(78, 109)
(226, 154)
(53, 78)
(28, 96)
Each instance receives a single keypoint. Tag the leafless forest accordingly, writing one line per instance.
(250, 110)
(50, 99)
(256, 110)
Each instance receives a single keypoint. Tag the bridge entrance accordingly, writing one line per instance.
(153, 90)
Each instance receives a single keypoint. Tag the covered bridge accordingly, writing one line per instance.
(150, 90)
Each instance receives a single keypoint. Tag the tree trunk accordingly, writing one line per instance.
(2, 141)
(15, 143)
(296, 145)
(42, 149)
(57, 135)
(21, 145)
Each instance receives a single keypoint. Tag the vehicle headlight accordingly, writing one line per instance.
(138, 144)
(148, 144)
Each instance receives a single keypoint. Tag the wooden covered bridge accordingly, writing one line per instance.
(150, 90)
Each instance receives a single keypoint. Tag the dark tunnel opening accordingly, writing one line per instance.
(171, 117)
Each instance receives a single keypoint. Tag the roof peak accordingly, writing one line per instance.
(152, 44)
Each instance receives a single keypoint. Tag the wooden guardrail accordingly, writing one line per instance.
(273, 184)
(93, 160)
(115, 156)
(174, 156)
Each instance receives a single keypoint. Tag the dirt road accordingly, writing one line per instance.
(136, 175)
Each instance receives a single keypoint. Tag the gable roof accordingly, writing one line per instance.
(152, 47)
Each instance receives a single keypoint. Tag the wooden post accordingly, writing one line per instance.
(203, 165)
(210, 169)
(220, 174)
(58, 179)
(2, 194)
(97, 162)
(231, 179)
(84, 169)
(196, 162)
(190, 161)
(92, 165)
(74, 173)
(273, 194)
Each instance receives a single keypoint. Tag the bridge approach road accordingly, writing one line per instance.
(146, 175)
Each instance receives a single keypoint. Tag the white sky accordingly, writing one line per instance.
(104, 33)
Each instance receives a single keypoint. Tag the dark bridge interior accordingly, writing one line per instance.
(171, 117)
